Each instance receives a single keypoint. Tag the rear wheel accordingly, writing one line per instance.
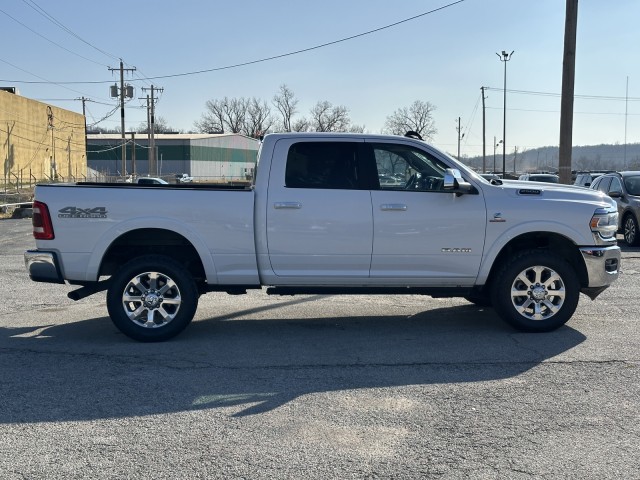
(630, 226)
(152, 298)
(536, 291)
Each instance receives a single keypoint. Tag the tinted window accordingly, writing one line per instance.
(632, 185)
(401, 167)
(331, 165)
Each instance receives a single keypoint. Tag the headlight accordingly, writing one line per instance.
(605, 223)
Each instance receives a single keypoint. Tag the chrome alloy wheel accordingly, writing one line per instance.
(151, 300)
(538, 293)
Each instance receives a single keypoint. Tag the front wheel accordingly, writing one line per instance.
(536, 291)
(152, 298)
(630, 226)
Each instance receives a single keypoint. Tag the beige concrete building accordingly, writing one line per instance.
(40, 142)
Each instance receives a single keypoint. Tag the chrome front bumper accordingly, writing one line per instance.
(43, 266)
(603, 268)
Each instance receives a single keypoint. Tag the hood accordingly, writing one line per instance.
(557, 191)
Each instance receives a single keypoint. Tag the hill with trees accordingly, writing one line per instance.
(583, 158)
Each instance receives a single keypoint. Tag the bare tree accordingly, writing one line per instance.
(301, 125)
(160, 125)
(223, 115)
(417, 117)
(258, 118)
(212, 120)
(286, 104)
(327, 118)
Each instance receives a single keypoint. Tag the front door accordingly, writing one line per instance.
(423, 235)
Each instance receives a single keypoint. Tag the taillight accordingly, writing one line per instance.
(42, 226)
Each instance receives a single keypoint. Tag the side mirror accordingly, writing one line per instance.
(615, 194)
(454, 182)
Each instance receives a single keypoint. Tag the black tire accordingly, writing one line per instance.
(152, 298)
(547, 299)
(630, 230)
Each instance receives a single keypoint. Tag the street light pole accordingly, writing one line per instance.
(495, 145)
(505, 57)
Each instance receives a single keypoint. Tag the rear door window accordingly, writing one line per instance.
(329, 165)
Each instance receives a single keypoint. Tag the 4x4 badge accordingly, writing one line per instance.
(75, 212)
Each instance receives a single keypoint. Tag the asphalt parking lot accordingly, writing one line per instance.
(315, 387)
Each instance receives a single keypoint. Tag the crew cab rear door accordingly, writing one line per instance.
(319, 221)
(423, 235)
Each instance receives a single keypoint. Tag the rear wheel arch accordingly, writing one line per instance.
(152, 241)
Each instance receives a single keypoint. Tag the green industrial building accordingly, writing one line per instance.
(205, 157)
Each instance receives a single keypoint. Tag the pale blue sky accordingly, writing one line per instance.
(443, 58)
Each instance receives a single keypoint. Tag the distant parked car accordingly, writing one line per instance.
(389, 180)
(183, 178)
(491, 176)
(151, 181)
(540, 177)
(624, 188)
(585, 179)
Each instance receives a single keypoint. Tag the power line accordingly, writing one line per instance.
(267, 59)
(50, 41)
(41, 11)
(558, 111)
(48, 82)
(551, 94)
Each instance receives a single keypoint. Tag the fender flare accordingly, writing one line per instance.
(509, 235)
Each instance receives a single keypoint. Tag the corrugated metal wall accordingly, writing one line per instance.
(206, 158)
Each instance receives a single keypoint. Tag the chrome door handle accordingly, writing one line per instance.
(393, 207)
(292, 205)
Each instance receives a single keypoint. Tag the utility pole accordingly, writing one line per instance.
(568, 82)
(128, 94)
(484, 136)
(84, 114)
(54, 167)
(626, 112)
(460, 137)
(151, 122)
(133, 156)
(505, 57)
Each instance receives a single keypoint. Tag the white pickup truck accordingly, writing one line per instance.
(333, 214)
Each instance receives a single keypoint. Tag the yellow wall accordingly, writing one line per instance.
(30, 150)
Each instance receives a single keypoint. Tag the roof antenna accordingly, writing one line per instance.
(412, 134)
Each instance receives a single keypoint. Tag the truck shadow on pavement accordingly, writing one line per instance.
(87, 370)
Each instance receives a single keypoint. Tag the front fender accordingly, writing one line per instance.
(498, 239)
